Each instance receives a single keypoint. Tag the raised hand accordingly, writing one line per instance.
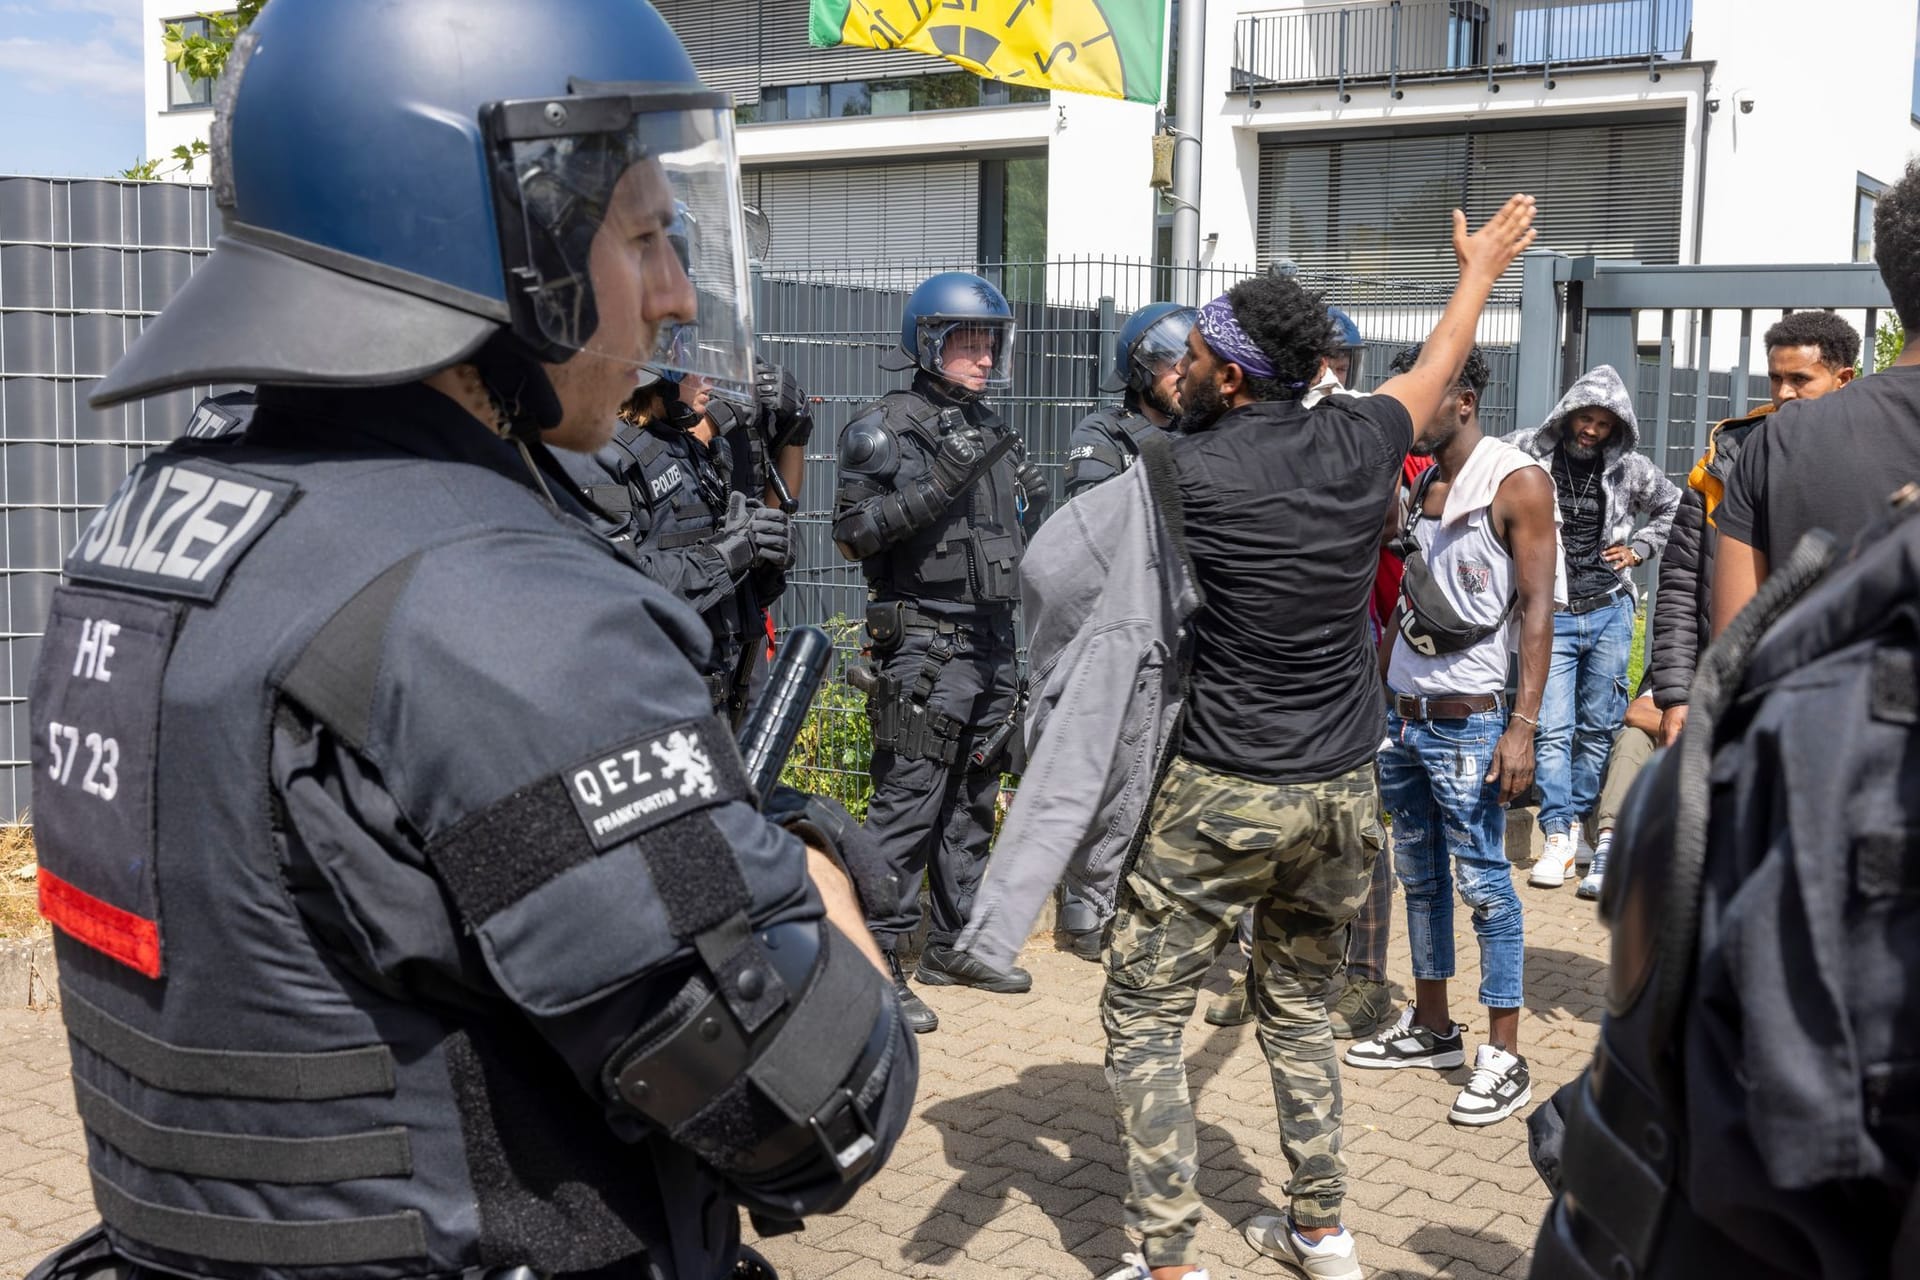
(1492, 249)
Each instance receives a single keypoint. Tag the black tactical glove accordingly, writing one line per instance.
(789, 421)
(1032, 484)
(734, 540)
(958, 461)
(770, 530)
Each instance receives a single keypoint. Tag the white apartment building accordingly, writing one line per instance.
(1336, 136)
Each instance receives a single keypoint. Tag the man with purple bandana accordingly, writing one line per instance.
(1270, 804)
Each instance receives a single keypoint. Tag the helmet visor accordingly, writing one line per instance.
(973, 352)
(1162, 345)
(624, 238)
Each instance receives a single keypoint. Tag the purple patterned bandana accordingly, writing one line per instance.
(1229, 341)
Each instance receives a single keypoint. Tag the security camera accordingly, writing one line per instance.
(1713, 106)
(1746, 106)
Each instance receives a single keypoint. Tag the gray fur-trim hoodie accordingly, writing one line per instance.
(1634, 486)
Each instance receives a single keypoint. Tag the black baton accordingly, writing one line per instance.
(770, 731)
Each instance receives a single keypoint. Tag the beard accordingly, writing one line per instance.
(1580, 452)
(1161, 402)
(1203, 406)
(1434, 443)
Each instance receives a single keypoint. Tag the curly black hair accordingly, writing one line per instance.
(1896, 244)
(1838, 341)
(1474, 374)
(1288, 322)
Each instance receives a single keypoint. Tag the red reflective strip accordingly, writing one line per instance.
(132, 940)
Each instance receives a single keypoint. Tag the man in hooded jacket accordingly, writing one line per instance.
(1591, 444)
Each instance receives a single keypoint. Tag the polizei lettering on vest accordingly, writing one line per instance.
(172, 527)
(665, 483)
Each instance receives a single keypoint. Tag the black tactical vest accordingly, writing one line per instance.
(256, 1103)
(1751, 1105)
(972, 554)
(679, 489)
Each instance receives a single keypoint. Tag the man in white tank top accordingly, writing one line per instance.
(1481, 583)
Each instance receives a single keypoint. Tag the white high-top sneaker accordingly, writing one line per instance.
(1555, 864)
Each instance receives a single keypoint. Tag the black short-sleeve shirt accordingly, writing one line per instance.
(1283, 513)
(1830, 464)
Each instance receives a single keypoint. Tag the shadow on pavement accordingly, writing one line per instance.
(1447, 1248)
(1081, 1191)
(1565, 986)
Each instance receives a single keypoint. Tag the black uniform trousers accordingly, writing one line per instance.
(932, 818)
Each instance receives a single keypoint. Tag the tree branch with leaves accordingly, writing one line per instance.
(199, 56)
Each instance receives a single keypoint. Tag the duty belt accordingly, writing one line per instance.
(988, 627)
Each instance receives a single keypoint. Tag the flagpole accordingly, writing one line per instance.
(1190, 42)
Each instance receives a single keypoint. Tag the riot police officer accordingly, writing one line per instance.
(1344, 354)
(415, 918)
(1107, 440)
(936, 499)
(666, 483)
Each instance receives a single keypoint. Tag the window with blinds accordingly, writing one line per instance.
(1371, 212)
(744, 44)
(869, 215)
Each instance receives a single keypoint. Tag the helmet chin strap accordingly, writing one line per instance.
(517, 383)
(523, 398)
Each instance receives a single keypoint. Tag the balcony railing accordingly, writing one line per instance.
(1398, 40)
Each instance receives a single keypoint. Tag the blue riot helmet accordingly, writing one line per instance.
(390, 208)
(1344, 353)
(949, 305)
(1151, 341)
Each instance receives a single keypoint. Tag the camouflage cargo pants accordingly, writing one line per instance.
(1301, 858)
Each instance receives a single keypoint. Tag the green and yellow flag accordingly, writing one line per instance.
(1113, 48)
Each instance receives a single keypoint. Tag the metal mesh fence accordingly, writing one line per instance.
(83, 264)
(832, 325)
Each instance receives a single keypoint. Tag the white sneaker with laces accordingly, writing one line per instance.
(1134, 1267)
(1408, 1044)
(1498, 1088)
(1556, 862)
(1334, 1258)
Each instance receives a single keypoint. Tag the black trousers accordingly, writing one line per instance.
(935, 819)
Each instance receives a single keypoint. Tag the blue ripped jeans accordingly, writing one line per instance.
(1585, 703)
(1448, 826)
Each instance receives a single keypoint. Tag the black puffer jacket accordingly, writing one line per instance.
(1683, 605)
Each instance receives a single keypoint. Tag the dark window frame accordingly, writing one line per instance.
(1867, 190)
(193, 24)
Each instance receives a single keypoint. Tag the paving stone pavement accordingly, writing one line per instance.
(1012, 1169)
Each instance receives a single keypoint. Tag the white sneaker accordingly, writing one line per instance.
(1498, 1088)
(1134, 1267)
(1582, 851)
(1334, 1258)
(1596, 874)
(1556, 862)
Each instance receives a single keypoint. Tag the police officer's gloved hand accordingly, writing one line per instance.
(959, 458)
(770, 530)
(788, 419)
(1035, 495)
(734, 540)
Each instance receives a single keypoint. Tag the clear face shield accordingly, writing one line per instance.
(971, 352)
(1344, 363)
(1161, 346)
(621, 228)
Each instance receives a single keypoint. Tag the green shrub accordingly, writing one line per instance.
(830, 756)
